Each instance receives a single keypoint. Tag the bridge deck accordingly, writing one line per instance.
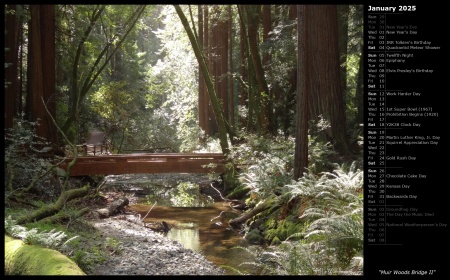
(146, 163)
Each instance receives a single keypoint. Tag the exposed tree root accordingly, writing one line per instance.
(52, 209)
(63, 217)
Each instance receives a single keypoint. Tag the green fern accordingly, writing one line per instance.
(333, 226)
(50, 239)
(336, 218)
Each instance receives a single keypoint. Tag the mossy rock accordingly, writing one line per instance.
(23, 259)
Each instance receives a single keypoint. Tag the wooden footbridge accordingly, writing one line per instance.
(146, 163)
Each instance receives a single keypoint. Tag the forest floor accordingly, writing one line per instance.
(139, 250)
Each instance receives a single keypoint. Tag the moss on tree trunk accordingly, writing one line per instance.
(23, 259)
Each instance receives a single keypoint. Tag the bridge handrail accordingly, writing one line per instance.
(147, 163)
(153, 155)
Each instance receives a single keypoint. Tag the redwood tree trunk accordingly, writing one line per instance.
(202, 117)
(266, 114)
(343, 12)
(326, 97)
(230, 57)
(244, 90)
(11, 72)
(301, 134)
(41, 83)
(223, 77)
(49, 69)
(209, 116)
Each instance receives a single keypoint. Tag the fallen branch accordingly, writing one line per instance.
(271, 203)
(54, 208)
(148, 212)
(63, 217)
(73, 146)
(233, 203)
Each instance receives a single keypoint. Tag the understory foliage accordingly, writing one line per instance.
(52, 239)
(33, 181)
(321, 232)
(146, 99)
(267, 163)
(334, 217)
(86, 249)
(23, 164)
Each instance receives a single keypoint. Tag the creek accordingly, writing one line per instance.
(198, 217)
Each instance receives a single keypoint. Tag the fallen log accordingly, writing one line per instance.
(52, 209)
(115, 207)
(23, 259)
(265, 205)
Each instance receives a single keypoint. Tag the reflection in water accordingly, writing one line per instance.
(188, 235)
(203, 230)
(196, 220)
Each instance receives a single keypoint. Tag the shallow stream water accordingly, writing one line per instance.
(198, 220)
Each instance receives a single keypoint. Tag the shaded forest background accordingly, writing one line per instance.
(277, 88)
(130, 72)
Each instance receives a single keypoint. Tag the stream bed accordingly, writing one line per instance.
(198, 217)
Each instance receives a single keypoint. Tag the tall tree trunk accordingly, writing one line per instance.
(266, 60)
(209, 115)
(266, 114)
(267, 28)
(223, 77)
(243, 89)
(282, 111)
(214, 59)
(11, 71)
(41, 83)
(19, 109)
(326, 97)
(49, 70)
(230, 56)
(202, 117)
(253, 101)
(301, 133)
(343, 12)
(209, 83)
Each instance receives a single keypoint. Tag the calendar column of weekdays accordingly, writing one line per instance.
(399, 117)
(375, 150)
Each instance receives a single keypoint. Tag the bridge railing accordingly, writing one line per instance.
(147, 163)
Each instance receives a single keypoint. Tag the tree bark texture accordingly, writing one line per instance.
(301, 133)
(11, 72)
(243, 100)
(266, 112)
(202, 116)
(325, 98)
(41, 71)
(343, 12)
